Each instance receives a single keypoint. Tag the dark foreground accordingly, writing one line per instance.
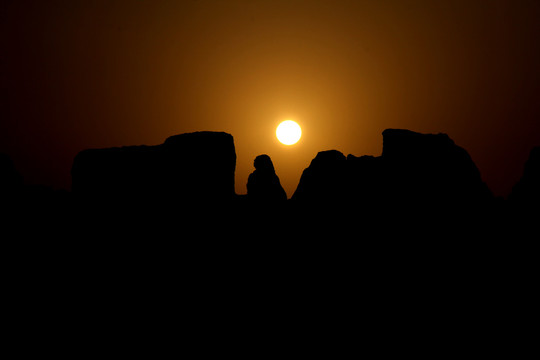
(383, 252)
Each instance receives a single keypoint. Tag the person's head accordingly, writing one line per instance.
(263, 163)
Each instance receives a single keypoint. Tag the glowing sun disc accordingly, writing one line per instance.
(288, 132)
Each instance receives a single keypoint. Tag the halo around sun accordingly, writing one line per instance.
(288, 132)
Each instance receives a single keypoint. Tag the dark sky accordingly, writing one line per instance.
(85, 74)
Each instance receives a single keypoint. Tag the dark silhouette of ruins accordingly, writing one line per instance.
(188, 168)
(412, 231)
(416, 174)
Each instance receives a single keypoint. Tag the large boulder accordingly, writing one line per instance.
(430, 169)
(415, 172)
(323, 181)
(263, 184)
(194, 167)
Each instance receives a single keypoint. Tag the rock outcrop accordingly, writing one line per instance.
(323, 181)
(526, 193)
(430, 169)
(263, 184)
(193, 167)
(415, 171)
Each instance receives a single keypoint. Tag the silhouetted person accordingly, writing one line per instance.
(263, 184)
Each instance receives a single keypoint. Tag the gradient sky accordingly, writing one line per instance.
(87, 74)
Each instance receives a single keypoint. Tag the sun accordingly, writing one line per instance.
(288, 132)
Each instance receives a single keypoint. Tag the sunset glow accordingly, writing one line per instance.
(288, 132)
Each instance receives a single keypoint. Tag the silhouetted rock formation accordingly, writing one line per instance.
(415, 171)
(299, 252)
(526, 193)
(431, 169)
(194, 167)
(263, 184)
(323, 180)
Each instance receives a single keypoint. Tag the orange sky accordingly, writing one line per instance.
(82, 74)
